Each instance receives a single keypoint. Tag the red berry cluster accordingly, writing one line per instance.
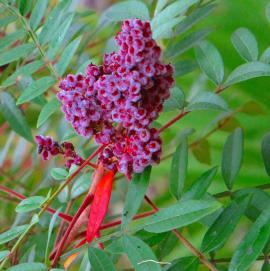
(128, 89)
(47, 147)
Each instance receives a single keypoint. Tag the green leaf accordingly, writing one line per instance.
(25, 70)
(179, 169)
(16, 53)
(166, 245)
(247, 71)
(85, 264)
(66, 56)
(135, 194)
(126, 10)
(160, 5)
(36, 89)
(177, 48)
(267, 12)
(232, 157)
(199, 188)
(11, 38)
(99, 260)
(201, 150)
(3, 254)
(140, 254)
(57, 40)
(220, 231)
(29, 204)
(28, 267)
(12, 233)
(7, 20)
(252, 244)
(182, 67)
(52, 23)
(210, 61)
(245, 44)
(25, 6)
(179, 215)
(177, 8)
(14, 116)
(47, 111)
(176, 100)
(59, 173)
(206, 100)
(265, 57)
(265, 149)
(183, 264)
(196, 16)
(37, 13)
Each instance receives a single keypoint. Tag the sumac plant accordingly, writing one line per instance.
(92, 110)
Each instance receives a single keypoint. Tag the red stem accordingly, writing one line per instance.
(172, 121)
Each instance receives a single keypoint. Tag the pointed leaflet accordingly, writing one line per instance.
(179, 169)
(99, 260)
(11, 38)
(180, 215)
(176, 100)
(232, 157)
(100, 205)
(66, 56)
(252, 244)
(36, 89)
(37, 13)
(210, 61)
(14, 116)
(182, 67)
(4, 254)
(247, 71)
(47, 111)
(265, 149)
(224, 225)
(200, 186)
(16, 53)
(29, 204)
(184, 264)
(245, 44)
(12, 233)
(140, 254)
(135, 194)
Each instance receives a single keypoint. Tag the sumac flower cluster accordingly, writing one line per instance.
(117, 101)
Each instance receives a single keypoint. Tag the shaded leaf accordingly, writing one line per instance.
(199, 188)
(16, 53)
(252, 244)
(247, 71)
(36, 89)
(245, 44)
(3, 254)
(183, 67)
(66, 56)
(267, 12)
(210, 61)
(29, 204)
(99, 260)
(11, 38)
(14, 116)
(179, 169)
(12, 233)
(207, 101)
(180, 215)
(47, 111)
(135, 195)
(183, 264)
(166, 245)
(37, 13)
(176, 100)
(220, 231)
(252, 108)
(177, 48)
(228, 124)
(232, 157)
(7, 20)
(139, 254)
(201, 150)
(25, 70)
(265, 149)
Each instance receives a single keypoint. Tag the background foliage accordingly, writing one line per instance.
(42, 41)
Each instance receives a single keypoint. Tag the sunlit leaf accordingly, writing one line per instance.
(3, 254)
(11, 38)
(265, 57)
(37, 13)
(12, 233)
(59, 173)
(28, 267)
(29, 204)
